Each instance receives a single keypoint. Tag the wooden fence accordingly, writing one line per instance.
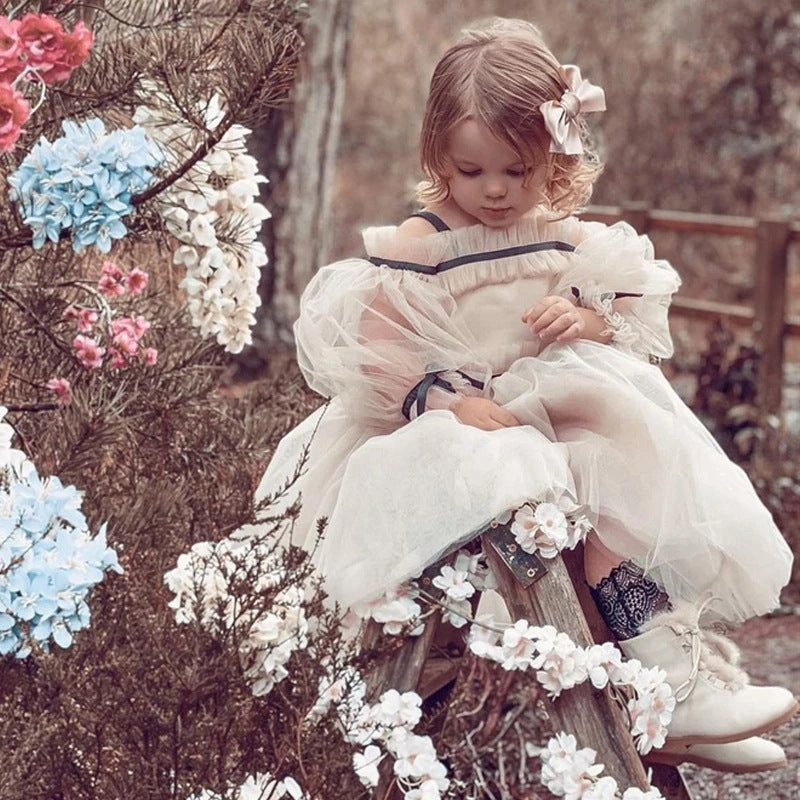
(767, 316)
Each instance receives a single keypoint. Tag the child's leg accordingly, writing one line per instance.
(624, 595)
(598, 560)
(715, 706)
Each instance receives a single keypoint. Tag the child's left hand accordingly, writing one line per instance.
(554, 318)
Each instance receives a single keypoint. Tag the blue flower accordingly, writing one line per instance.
(49, 562)
(83, 182)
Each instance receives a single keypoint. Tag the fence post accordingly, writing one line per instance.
(637, 215)
(772, 249)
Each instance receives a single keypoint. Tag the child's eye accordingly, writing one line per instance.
(470, 173)
(519, 173)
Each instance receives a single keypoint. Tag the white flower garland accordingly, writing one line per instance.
(560, 664)
(212, 211)
(571, 773)
(386, 727)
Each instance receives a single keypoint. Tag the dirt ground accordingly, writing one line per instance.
(771, 654)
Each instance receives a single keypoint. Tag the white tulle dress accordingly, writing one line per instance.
(600, 423)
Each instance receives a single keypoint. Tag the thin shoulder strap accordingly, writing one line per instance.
(434, 220)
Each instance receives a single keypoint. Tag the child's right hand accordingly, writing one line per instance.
(480, 412)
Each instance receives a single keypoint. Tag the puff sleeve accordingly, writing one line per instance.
(371, 334)
(614, 271)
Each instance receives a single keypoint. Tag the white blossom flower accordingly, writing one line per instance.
(651, 713)
(395, 610)
(561, 664)
(544, 529)
(601, 659)
(454, 583)
(366, 765)
(186, 255)
(259, 787)
(519, 645)
(563, 764)
(482, 639)
(201, 583)
(635, 793)
(415, 759)
(457, 613)
(202, 229)
(480, 576)
(397, 710)
(604, 788)
(427, 790)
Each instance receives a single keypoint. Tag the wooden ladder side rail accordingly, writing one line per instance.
(593, 717)
(399, 669)
(667, 778)
(404, 669)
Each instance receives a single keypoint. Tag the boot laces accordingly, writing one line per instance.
(693, 633)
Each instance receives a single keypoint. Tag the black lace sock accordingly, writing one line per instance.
(627, 599)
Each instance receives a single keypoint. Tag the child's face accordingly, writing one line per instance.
(487, 179)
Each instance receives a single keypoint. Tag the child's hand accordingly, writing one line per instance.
(480, 412)
(554, 318)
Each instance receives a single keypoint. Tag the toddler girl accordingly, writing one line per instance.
(493, 349)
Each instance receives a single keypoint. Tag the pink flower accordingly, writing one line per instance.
(76, 46)
(62, 389)
(109, 287)
(49, 49)
(71, 313)
(150, 355)
(112, 280)
(136, 280)
(42, 38)
(10, 49)
(111, 269)
(118, 360)
(136, 327)
(90, 354)
(127, 343)
(87, 319)
(140, 326)
(14, 113)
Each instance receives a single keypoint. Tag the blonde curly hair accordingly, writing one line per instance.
(499, 73)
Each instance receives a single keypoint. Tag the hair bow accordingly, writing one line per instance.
(560, 116)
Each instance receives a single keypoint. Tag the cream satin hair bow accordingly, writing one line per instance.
(561, 116)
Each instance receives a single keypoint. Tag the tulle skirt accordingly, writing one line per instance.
(597, 425)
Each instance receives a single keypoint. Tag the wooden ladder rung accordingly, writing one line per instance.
(436, 674)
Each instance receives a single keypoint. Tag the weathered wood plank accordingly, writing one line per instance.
(402, 668)
(591, 716)
(772, 247)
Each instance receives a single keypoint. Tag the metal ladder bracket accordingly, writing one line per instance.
(526, 567)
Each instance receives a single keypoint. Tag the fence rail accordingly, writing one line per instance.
(767, 315)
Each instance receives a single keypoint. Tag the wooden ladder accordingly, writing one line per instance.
(559, 597)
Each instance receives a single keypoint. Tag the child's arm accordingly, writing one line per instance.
(556, 319)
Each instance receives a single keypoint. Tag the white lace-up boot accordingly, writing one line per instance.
(715, 703)
(753, 754)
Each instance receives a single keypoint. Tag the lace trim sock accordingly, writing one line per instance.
(627, 599)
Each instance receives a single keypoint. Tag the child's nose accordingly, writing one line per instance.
(494, 187)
